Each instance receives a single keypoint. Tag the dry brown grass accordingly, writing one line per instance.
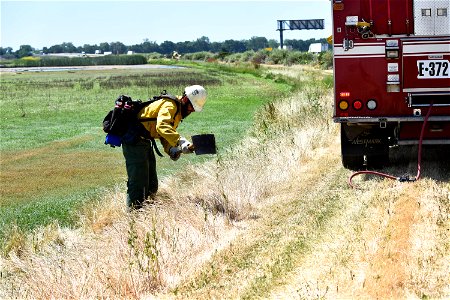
(114, 254)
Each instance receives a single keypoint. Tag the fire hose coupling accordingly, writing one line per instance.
(406, 178)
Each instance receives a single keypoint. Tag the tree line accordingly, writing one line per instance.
(165, 48)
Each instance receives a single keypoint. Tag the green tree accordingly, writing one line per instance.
(24, 50)
(7, 50)
(233, 46)
(202, 44)
(90, 48)
(118, 48)
(257, 43)
(104, 47)
(273, 44)
(148, 47)
(55, 49)
(68, 48)
(167, 47)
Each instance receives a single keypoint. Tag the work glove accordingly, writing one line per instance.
(174, 153)
(185, 145)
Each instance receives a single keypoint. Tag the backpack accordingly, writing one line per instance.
(122, 124)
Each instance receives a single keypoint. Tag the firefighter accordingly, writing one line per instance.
(139, 156)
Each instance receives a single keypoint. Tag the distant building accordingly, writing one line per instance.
(130, 52)
(317, 47)
(98, 52)
(286, 47)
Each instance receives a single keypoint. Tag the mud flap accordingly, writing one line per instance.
(364, 146)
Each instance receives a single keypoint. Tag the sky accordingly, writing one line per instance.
(47, 23)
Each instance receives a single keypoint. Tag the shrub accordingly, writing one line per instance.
(202, 56)
(326, 60)
(296, 57)
(233, 58)
(278, 56)
(154, 55)
(260, 57)
(247, 56)
(198, 56)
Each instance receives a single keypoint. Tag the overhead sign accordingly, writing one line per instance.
(298, 25)
(301, 24)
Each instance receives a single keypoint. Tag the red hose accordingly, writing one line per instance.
(419, 159)
(419, 155)
(368, 172)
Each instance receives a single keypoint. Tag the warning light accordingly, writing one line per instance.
(371, 104)
(343, 105)
(344, 94)
(357, 104)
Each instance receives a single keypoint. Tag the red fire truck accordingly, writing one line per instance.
(391, 75)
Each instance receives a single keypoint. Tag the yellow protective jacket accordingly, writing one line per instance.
(164, 115)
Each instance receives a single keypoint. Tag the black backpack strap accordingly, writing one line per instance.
(165, 94)
(152, 140)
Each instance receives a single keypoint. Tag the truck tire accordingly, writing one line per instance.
(379, 158)
(353, 162)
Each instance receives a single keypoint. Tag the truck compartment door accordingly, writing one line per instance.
(431, 17)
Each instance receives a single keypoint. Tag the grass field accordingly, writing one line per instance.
(53, 160)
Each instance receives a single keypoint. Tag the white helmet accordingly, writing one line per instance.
(197, 95)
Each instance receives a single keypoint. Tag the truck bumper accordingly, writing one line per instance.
(407, 130)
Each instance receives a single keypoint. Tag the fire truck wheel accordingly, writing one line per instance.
(379, 159)
(355, 163)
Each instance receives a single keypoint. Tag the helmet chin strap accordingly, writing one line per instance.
(184, 109)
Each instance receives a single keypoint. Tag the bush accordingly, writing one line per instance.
(233, 58)
(202, 56)
(198, 56)
(278, 56)
(260, 57)
(154, 55)
(326, 60)
(295, 57)
(247, 56)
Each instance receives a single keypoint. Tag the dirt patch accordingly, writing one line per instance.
(387, 266)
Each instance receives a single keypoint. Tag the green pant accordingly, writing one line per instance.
(141, 170)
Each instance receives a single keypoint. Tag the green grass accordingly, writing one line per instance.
(53, 159)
